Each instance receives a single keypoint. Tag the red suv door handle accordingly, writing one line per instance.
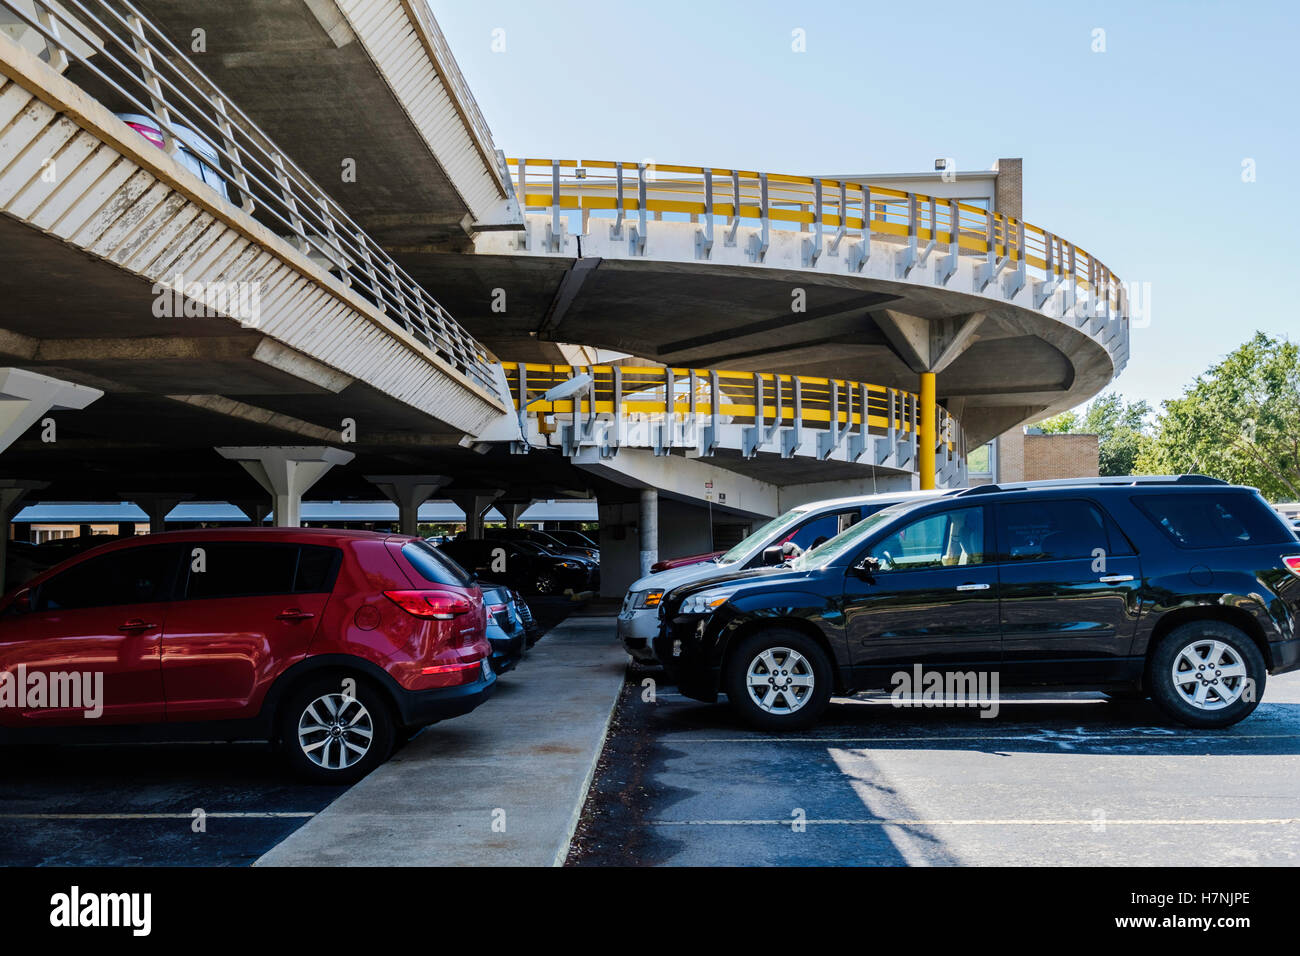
(136, 625)
(293, 614)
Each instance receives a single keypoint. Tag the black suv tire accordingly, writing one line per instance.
(356, 709)
(810, 665)
(1218, 646)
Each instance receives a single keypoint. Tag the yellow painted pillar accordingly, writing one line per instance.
(926, 437)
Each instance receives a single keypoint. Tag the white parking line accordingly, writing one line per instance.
(217, 815)
(1268, 821)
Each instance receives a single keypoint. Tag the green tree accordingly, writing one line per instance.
(1239, 421)
(1120, 427)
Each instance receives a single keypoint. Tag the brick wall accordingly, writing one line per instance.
(1011, 455)
(1008, 189)
(1060, 456)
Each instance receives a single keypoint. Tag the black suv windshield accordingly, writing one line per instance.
(831, 551)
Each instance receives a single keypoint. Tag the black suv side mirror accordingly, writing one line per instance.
(773, 556)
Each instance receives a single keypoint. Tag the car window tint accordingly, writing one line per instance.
(317, 569)
(434, 567)
(135, 576)
(230, 569)
(1119, 542)
(1048, 530)
(1210, 521)
(946, 539)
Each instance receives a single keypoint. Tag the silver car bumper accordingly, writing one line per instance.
(637, 629)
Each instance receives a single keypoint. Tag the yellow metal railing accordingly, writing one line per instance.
(825, 208)
(745, 398)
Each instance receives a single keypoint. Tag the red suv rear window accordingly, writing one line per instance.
(434, 567)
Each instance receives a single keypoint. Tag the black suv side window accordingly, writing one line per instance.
(1050, 530)
(1211, 521)
(232, 569)
(945, 539)
(141, 575)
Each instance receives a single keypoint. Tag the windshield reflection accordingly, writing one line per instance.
(830, 551)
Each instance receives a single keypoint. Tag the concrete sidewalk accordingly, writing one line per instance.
(502, 786)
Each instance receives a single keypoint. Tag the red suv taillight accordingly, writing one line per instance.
(1292, 562)
(438, 605)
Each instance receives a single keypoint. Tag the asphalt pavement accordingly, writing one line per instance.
(180, 804)
(1051, 780)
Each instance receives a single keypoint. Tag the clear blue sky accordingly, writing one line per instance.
(1135, 153)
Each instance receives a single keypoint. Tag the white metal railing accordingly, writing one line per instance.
(689, 407)
(833, 216)
(134, 67)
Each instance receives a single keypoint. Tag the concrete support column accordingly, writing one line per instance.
(26, 396)
(254, 509)
(648, 528)
(514, 510)
(926, 437)
(287, 473)
(475, 504)
(408, 492)
(157, 505)
(12, 493)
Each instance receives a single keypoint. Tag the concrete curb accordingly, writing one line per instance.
(563, 853)
(502, 786)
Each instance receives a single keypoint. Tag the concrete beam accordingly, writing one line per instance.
(408, 492)
(783, 321)
(27, 396)
(565, 295)
(286, 473)
(255, 414)
(928, 345)
(684, 479)
(791, 496)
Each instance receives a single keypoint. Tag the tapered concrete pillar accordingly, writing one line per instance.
(12, 493)
(648, 528)
(287, 473)
(475, 504)
(514, 510)
(157, 505)
(408, 492)
(26, 396)
(254, 509)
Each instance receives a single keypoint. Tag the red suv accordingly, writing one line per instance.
(330, 644)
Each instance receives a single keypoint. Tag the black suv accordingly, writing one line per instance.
(1184, 588)
(523, 565)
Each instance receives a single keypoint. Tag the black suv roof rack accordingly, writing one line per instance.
(1122, 480)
